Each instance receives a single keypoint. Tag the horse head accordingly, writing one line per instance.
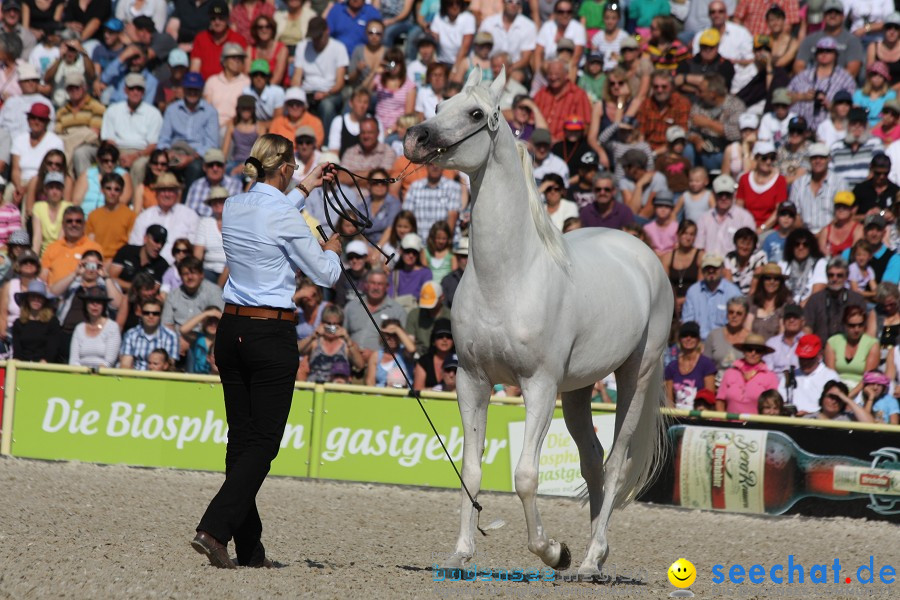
(461, 134)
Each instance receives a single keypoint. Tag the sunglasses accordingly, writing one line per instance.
(839, 275)
(443, 336)
(715, 11)
(562, 11)
(74, 221)
(553, 189)
(151, 313)
(180, 251)
(737, 313)
(217, 165)
(305, 141)
(107, 160)
(856, 325)
(603, 189)
(55, 164)
(160, 164)
(263, 26)
(770, 278)
(769, 157)
(614, 83)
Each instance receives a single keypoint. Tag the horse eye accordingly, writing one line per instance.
(477, 114)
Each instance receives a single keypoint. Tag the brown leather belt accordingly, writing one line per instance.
(257, 312)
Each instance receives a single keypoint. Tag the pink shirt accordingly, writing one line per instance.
(741, 395)
(662, 238)
(391, 103)
(10, 220)
(224, 94)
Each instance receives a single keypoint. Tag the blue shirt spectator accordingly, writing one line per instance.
(706, 301)
(347, 22)
(199, 127)
(143, 339)
(114, 77)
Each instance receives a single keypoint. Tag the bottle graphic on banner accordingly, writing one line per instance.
(756, 471)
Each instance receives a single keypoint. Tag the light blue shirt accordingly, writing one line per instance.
(708, 308)
(200, 128)
(891, 272)
(114, 75)
(266, 241)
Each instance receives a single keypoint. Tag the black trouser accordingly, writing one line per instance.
(257, 361)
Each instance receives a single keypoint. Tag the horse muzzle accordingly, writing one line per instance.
(419, 144)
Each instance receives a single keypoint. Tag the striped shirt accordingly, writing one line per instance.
(199, 192)
(139, 345)
(433, 203)
(817, 209)
(10, 220)
(854, 166)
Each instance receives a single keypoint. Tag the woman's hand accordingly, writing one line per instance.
(319, 174)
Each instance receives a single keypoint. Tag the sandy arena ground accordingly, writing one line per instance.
(71, 530)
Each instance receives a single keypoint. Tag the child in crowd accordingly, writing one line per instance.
(340, 372)
(772, 404)
(437, 255)
(159, 360)
(877, 401)
(593, 78)
(697, 200)
(448, 379)
(773, 126)
(672, 162)
(861, 276)
(662, 230)
(198, 355)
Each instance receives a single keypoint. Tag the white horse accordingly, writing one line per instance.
(549, 313)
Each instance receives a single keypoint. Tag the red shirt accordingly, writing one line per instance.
(752, 14)
(572, 100)
(210, 53)
(654, 120)
(761, 204)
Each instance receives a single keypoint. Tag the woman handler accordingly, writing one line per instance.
(266, 241)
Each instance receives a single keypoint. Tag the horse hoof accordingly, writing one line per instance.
(455, 561)
(565, 558)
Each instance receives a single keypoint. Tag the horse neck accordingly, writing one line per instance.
(502, 230)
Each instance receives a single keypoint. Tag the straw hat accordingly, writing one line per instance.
(167, 181)
(771, 270)
(755, 341)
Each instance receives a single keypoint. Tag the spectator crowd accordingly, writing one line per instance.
(754, 146)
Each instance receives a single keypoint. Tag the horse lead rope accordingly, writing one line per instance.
(362, 221)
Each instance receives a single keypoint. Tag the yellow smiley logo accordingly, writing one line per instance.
(682, 573)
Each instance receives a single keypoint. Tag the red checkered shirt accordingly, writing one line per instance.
(572, 100)
(655, 120)
(752, 14)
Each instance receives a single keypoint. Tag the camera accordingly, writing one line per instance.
(91, 266)
(332, 329)
(391, 64)
(819, 102)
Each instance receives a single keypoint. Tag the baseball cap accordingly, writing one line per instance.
(858, 114)
(12, 5)
(411, 241)
(430, 294)
(763, 147)
(880, 161)
(792, 310)
(462, 247)
(135, 80)
(781, 96)
(712, 260)
(596, 57)
(797, 124)
(28, 255)
(114, 25)
(213, 155)
(833, 5)
(340, 368)
(891, 19)
(483, 37)
(304, 131)
(565, 44)
(218, 9)
(893, 104)
(451, 362)
(192, 80)
(809, 346)
(75, 79)
(295, 94)
(178, 58)
(844, 198)
(27, 72)
(675, 132)
(260, 65)
(357, 248)
(819, 149)
(233, 50)
(588, 160)
(876, 377)
(540, 136)
(217, 192)
(573, 123)
(54, 177)
(787, 208)
(39, 110)
(158, 233)
(710, 37)
(723, 184)
(826, 43)
(875, 220)
(748, 121)
(843, 96)
(629, 43)
(441, 325)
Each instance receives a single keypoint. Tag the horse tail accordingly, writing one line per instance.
(649, 442)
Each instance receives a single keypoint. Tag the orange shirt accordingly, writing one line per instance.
(281, 126)
(61, 258)
(110, 228)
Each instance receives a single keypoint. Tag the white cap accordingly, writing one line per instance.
(411, 241)
(818, 149)
(748, 121)
(724, 183)
(357, 247)
(295, 93)
(27, 72)
(763, 147)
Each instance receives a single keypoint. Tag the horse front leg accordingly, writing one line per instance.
(540, 400)
(473, 393)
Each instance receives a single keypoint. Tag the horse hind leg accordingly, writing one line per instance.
(473, 393)
(639, 387)
(540, 400)
(577, 412)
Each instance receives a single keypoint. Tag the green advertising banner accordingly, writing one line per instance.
(142, 422)
(387, 439)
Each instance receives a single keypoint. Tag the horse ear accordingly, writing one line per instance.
(498, 85)
(473, 79)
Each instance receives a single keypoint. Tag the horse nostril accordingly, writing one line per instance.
(422, 135)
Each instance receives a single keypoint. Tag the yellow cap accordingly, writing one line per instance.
(710, 37)
(846, 198)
